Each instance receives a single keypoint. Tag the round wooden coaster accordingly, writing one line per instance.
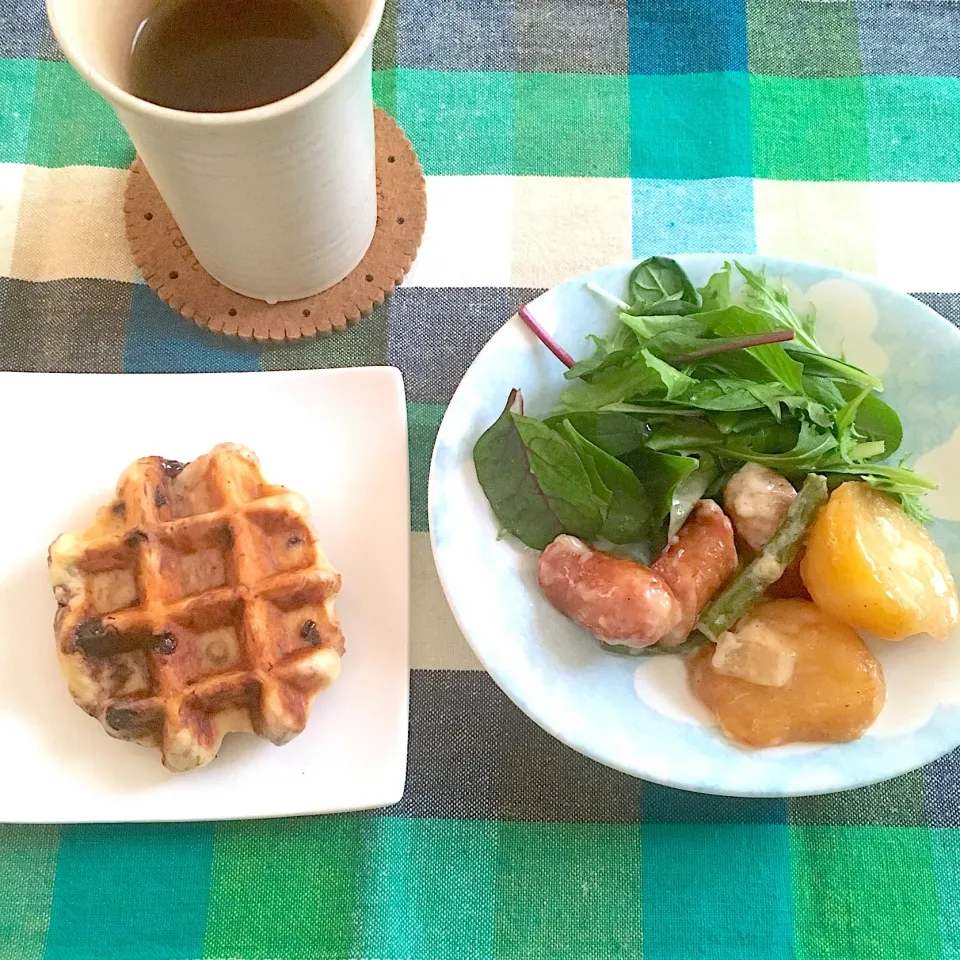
(170, 268)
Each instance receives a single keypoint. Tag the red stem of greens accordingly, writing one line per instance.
(545, 337)
(728, 344)
(724, 345)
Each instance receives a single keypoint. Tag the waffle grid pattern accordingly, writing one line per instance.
(200, 603)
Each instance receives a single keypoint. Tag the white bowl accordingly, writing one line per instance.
(637, 715)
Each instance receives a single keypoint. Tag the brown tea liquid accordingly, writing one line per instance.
(213, 56)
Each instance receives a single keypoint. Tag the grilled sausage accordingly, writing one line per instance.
(697, 564)
(619, 601)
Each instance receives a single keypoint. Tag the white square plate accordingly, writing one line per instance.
(339, 437)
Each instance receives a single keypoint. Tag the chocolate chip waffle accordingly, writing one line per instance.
(199, 603)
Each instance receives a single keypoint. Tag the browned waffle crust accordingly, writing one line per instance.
(198, 604)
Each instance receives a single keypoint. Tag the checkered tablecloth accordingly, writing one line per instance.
(556, 136)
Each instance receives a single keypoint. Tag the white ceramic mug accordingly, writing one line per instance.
(277, 202)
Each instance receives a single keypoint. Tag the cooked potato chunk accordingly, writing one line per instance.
(835, 691)
(868, 564)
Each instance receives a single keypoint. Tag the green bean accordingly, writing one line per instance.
(747, 586)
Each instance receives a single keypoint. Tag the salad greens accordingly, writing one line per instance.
(691, 385)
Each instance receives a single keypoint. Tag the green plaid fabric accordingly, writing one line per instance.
(555, 137)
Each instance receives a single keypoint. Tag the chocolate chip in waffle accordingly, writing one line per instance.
(199, 603)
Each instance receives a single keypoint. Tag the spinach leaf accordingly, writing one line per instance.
(675, 346)
(602, 361)
(824, 391)
(684, 436)
(607, 351)
(691, 435)
(866, 429)
(773, 437)
(846, 415)
(658, 286)
(602, 351)
(813, 443)
(738, 363)
(874, 419)
(612, 383)
(660, 474)
(651, 407)
(674, 381)
(767, 434)
(649, 328)
(735, 321)
(616, 433)
(561, 475)
(717, 392)
(628, 512)
(620, 378)
(716, 292)
(686, 341)
(816, 412)
(820, 365)
(623, 338)
(723, 395)
(736, 422)
(603, 492)
(731, 393)
(877, 420)
(503, 469)
(534, 480)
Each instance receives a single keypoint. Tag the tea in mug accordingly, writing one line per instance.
(214, 56)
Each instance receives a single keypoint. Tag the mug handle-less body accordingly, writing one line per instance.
(277, 202)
